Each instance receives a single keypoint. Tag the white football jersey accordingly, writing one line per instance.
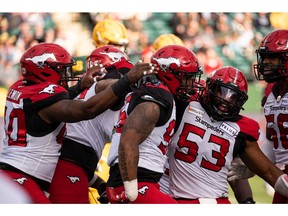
(276, 114)
(152, 151)
(94, 132)
(31, 145)
(201, 151)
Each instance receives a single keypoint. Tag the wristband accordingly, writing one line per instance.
(131, 189)
(281, 185)
(121, 87)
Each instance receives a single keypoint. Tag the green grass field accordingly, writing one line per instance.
(258, 189)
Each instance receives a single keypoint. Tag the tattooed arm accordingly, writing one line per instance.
(136, 129)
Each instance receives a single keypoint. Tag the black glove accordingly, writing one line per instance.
(103, 199)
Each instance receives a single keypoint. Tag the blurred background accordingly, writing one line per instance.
(218, 39)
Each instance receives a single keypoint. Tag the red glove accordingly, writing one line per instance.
(115, 197)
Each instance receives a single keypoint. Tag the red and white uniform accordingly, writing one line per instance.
(276, 114)
(201, 151)
(152, 151)
(31, 145)
(84, 143)
(94, 132)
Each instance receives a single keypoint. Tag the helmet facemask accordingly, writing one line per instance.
(270, 72)
(189, 85)
(224, 100)
(65, 72)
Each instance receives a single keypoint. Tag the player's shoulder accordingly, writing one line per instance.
(44, 91)
(249, 126)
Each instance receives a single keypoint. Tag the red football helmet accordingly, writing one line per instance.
(274, 45)
(109, 56)
(47, 62)
(179, 70)
(226, 93)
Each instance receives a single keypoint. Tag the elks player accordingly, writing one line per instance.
(272, 66)
(84, 142)
(146, 125)
(36, 109)
(210, 135)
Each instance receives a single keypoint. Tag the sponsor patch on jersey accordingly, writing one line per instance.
(228, 129)
(195, 111)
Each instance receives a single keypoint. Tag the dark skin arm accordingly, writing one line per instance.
(76, 110)
(258, 163)
(136, 129)
(242, 190)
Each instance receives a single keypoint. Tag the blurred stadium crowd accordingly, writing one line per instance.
(217, 38)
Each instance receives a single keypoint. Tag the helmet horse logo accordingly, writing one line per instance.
(40, 60)
(115, 56)
(165, 63)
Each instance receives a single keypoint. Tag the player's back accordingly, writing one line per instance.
(94, 132)
(152, 149)
(32, 145)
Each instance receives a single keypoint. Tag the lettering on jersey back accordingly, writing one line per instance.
(13, 95)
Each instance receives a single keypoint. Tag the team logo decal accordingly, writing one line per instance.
(21, 180)
(143, 189)
(73, 179)
(49, 89)
(115, 56)
(165, 63)
(40, 60)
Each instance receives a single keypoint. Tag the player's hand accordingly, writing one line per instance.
(238, 170)
(93, 73)
(141, 69)
(115, 197)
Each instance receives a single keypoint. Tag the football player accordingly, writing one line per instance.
(37, 108)
(272, 67)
